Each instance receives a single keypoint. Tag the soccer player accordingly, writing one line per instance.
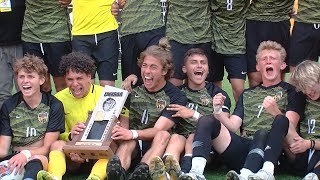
(188, 26)
(142, 25)
(203, 98)
(46, 34)
(305, 39)
(229, 43)
(274, 103)
(78, 100)
(306, 78)
(266, 20)
(30, 121)
(94, 32)
(149, 119)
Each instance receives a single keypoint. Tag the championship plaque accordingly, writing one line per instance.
(95, 141)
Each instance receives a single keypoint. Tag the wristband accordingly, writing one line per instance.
(26, 153)
(196, 115)
(134, 134)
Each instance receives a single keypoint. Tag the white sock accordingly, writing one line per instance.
(244, 172)
(166, 154)
(188, 155)
(268, 166)
(198, 165)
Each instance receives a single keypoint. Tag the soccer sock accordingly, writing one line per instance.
(268, 166)
(32, 168)
(208, 128)
(255, 157)
(185, 163)
(198, 165)
(244, 172)
(165, 156)
(57, 164)
(99, 169)
(275, 139)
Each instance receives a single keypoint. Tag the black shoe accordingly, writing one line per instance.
(114, 169)
(141, 172)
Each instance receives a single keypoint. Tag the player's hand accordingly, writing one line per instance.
(121, 2)
(300, 145)
(115, 8)
(181, 111)
(270, 106)
(17, 162)
(64, 3)
(218, 99)
(129, 82)
(77, 129)
(120, 133)
(77, 158)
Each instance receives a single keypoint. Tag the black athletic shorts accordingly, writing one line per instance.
(258, 31)
(51, 53)
(104, 48)
(235, 65)
(304, 43)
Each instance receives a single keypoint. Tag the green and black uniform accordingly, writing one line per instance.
(267, 20)
(200, 101)
(27, 126)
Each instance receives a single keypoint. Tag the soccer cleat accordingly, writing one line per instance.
(157, 170)
(233, 175)
(172, 167)
(191, 176)
(141, 172)
(114, 169)
(311, 176)
(261, 175)
(44, 175)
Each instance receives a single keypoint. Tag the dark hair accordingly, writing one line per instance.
(77, 62)
(161, 52)
(193, 51)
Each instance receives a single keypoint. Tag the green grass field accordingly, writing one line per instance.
(210, 174)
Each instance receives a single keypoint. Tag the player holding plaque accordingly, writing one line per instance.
(78, 99)
(149, 119)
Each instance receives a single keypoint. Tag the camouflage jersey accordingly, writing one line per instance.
(228, 26)
(146, 107)
(270, 10)
(45, 21)
(189, 21)
(309, 127)
(249, 105)
(308, 12)
(27, 126)
(201, 101)
(141, 16)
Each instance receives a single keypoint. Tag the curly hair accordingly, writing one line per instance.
(161, 52)
(77, 62)
(31, 63)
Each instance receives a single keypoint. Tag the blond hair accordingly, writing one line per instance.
(31, 63)
(161, 52)
(305, 75)
(272, 45)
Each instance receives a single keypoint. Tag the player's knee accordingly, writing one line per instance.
(57, 145)
(260, 138)
(280, 122)
(209, 124)
(162, 137)
(176, 138)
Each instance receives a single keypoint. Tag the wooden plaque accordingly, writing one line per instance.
(95, 141)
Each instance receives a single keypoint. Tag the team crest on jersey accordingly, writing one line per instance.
(43, 117)
(160, 104)
(204, 100)
(277, 96)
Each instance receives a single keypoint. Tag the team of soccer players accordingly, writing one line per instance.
(276, 120)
